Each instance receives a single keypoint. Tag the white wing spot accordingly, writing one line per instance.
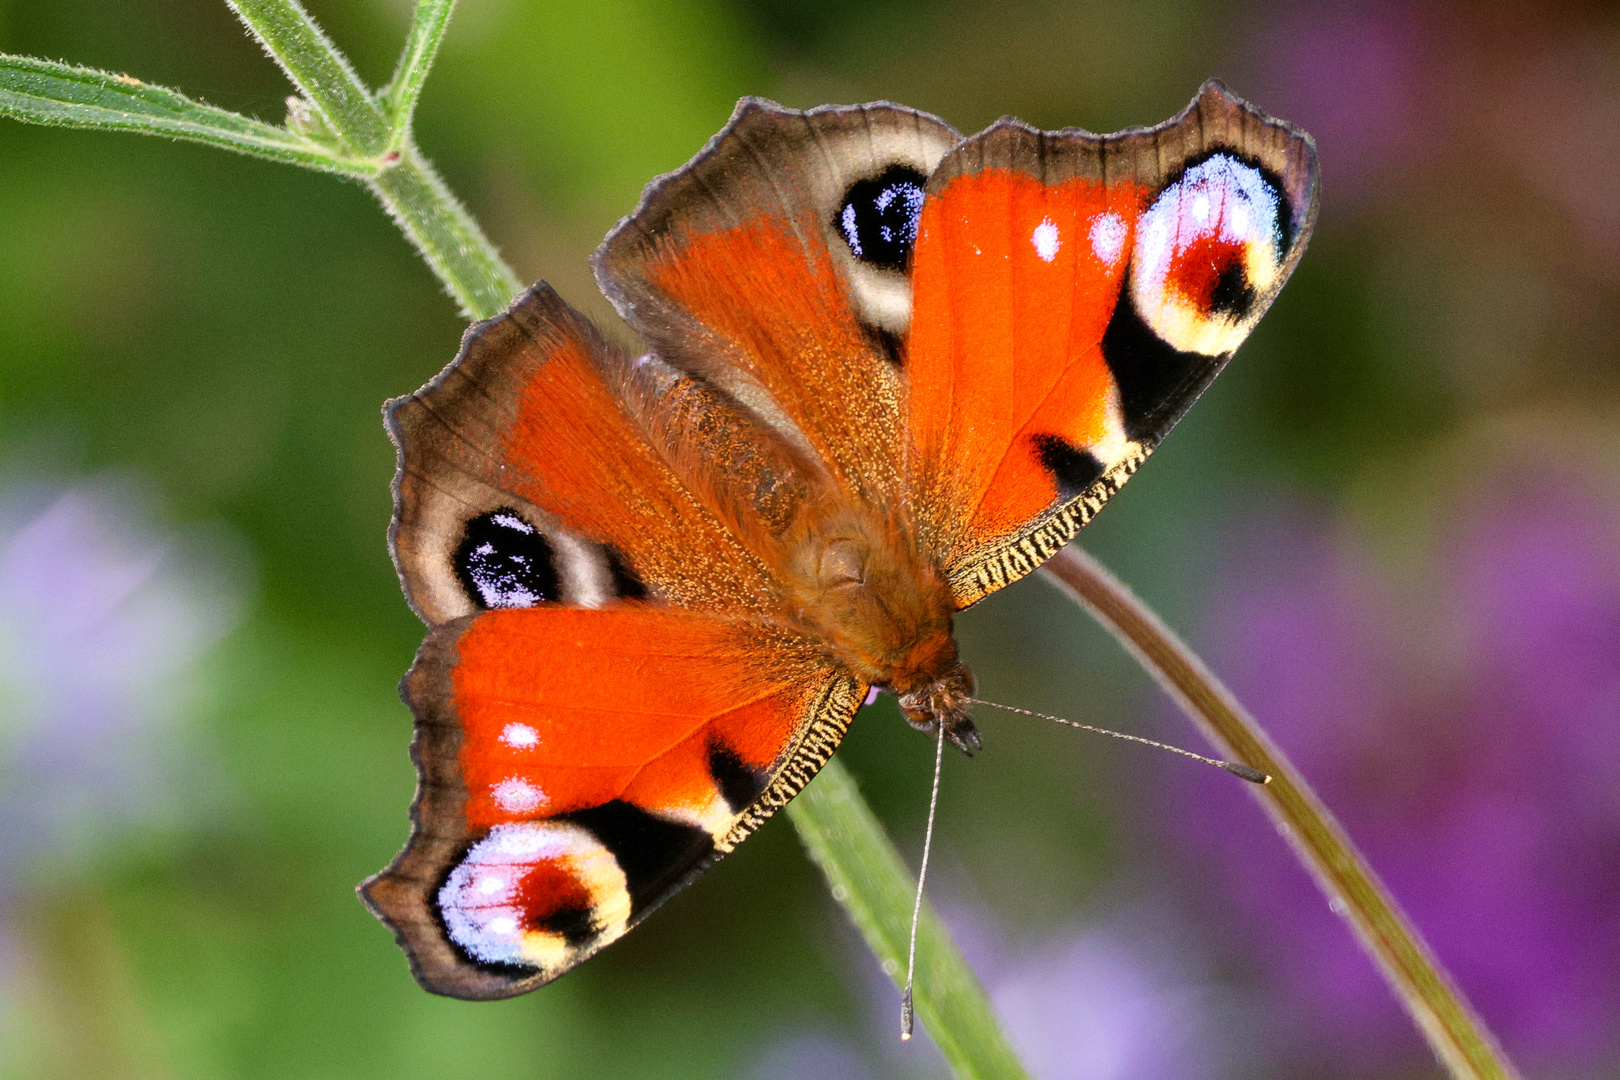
(501, 926)
(490, 884)
(517, 796)
(520, 736)
(1237, 218)
(1200, 208)
(1107, 238)
(510, 522)
(1046, 240)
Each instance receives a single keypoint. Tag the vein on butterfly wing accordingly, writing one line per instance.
(452, 495)
(509, 472)
(650, 762)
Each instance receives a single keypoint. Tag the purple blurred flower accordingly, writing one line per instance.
(810, 1057)
(1115, 1000)
(1466, 728)
(101, 621)
(1351, 74)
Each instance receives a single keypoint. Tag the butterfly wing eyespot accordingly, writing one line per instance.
(1208, 248)
(531, 892)
(847, 180)
(504, 562)
(877, 221)
(877, 217)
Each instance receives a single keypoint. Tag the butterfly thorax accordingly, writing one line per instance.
(858, 584)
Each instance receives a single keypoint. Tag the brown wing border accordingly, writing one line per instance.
(996, 566)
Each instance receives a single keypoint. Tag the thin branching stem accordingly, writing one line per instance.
(323, 75)
(428, 24)
(468, 265)
(53, 94)
(1459, 1039)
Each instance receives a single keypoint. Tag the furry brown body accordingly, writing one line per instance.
(859, 584)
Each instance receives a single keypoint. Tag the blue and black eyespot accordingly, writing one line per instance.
(878, 217)
(504, 562)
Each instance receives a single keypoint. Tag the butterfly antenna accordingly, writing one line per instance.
(922, 875)
(1254, 776)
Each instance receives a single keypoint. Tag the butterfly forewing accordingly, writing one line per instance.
(1073, 294)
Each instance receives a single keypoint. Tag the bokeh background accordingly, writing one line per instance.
(1393, 525)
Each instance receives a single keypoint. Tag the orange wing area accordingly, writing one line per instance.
(774, 308)
(579, 767)
(1014, 283)
(564, 709)
(526, 411)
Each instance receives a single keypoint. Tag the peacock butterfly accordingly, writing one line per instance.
(887, 370)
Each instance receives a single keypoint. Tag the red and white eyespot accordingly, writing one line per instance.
(1208, 254)
(532, 894)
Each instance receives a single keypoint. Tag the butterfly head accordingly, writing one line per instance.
(945, 701)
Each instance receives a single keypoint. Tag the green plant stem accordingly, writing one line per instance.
(428, 24)
(447, 236)
(1458, 1038)
(322, 74)
(406, 183)
(62, 95)
(869, 879)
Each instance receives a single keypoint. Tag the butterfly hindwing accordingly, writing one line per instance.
(1073, 294)
(579, 767)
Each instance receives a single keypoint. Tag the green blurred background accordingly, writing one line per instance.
(194, 348)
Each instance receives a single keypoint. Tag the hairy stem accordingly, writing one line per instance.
(322, 74)
(1457, 1036)
(447, 236)
(420, 203)
(428, 24)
